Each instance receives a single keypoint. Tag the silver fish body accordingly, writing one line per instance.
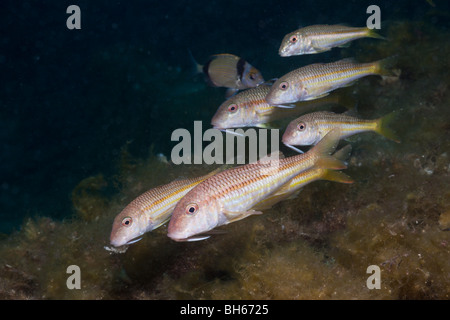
(310, 128)
(318, 80)
(249, 108)
(230, 195)
(320, 38)
(150, 210)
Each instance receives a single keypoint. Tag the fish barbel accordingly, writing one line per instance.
(291, 189)
(317, 80)
(150, 210)
(249, 108)
(229, 195)
(321, 38)
(310, 128)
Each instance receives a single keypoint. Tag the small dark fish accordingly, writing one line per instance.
(230, 71)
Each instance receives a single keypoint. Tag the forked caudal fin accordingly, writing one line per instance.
(385, 67)
(383, 127)
(371, 33)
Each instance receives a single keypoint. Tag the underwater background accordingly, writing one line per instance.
(86, 120)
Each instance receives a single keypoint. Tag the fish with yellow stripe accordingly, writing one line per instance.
(291, 189)
(310, 128)
(230, 195)
(150, 210)
(249, 108)
(321, 38)
(318, 80)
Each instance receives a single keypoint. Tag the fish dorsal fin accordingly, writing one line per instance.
(347, 60)
(220, 169)
(273, 155)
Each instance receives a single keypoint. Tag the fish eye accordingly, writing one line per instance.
(127, 221)
(284, 85)
(232, 108)
(252, 76)
(191, 208)
(301, 126)
(293, 39)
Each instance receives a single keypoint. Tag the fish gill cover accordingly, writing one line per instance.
(87, 117)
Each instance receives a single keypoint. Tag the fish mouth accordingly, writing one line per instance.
(133, 240)
(283, 53)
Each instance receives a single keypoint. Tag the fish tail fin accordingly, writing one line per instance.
(196, 68)
(382, 127)
(343, 153)
(336, 176)
(325, 148)
(371, 33)
(385, 67)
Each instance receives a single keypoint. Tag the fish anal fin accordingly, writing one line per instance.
(320, 50)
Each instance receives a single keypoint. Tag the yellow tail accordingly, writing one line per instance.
(371, 33)
(384, 67)
(383, 129)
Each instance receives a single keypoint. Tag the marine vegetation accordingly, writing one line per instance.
(318, 245)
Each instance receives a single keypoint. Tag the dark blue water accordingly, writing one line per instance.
(71, 99)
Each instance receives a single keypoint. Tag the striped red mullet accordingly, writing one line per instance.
(318, 80)
(230, 195)
(150, 210)
(249, 108)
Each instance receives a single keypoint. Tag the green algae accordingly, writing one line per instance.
(317, 246)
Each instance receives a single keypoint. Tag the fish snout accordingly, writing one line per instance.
(175, 235)
(271, 98)
(283, 51)
(288, 138)
(216, 123)
(116, 241)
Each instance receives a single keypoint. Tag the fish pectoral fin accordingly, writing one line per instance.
(236, 216)
(345, 45)
(320, 50)
(317, 97)
(351, 83)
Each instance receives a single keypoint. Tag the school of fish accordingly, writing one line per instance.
(195, 207)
